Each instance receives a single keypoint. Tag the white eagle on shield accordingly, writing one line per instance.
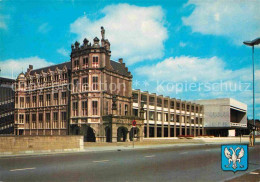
(234, 158)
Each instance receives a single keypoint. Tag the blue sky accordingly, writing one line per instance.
(183, 49)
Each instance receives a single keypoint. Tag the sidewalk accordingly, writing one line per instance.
(147, 143)
(253, 176)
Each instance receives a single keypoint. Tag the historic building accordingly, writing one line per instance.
(168, 117)
(92, 95)
(89, 95)
(6, 106)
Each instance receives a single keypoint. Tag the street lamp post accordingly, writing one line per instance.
(252, 44)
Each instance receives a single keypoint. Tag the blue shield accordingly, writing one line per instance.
(234, 157)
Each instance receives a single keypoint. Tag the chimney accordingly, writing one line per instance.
(120, 60)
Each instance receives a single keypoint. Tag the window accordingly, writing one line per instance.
(41, 80)
(183, 107)
(40, 120)
(75, 85)
(48, 99)
(85, 83)
(166, 103)
(55, 119)
(95, 62)
(76, 64)
(151, 101)
(84, 108)
(21, 102)
(63, 119)
(159, 116)
(172, 117)
(55, 98)
(34, 101)
(35, 80)
(22, 85)
(126, 110)
(48, 119)
(85, 62)
(166, 117)
(172, 105)
(95, 82)
(75, 108)
(64, 75)
(33, 121)
(135, 98)
(21, 118)
(178, 118)
(27, 118)
(159, 102)
(64, 97)
(135, 111)
(49, 78)
(27, 102)
(28, 82)
(40, 100)
(151, 115)
(178, 106)
(56, 77)
(95, 107)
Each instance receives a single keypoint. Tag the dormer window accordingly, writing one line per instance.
(41, 80)
(56, 77)
(28, 82)
(64, 76)
(95, 62)
(85, 62)
(49, 78)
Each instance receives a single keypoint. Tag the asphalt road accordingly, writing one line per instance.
(185, 163)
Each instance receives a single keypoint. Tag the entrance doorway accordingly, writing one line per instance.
(108, 134)
(121, 134)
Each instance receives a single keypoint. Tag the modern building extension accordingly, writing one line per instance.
(224, 116)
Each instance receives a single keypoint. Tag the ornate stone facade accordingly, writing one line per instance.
(76, 97)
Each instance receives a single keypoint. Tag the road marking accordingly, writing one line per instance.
(253, 173)
(183, 152)
(149, 156)
(102, 161)
(22, 169)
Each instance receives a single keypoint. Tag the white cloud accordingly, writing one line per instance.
(200, 78)
(11, 68)
(192, 69)
(238, 20)
(44, 28)
(63, 52)
(135, 33)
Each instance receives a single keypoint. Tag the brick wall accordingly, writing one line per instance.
(31, 144)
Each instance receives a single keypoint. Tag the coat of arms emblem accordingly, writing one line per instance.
(234, 157)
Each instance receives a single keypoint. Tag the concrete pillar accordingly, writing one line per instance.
(195, 120)
(127, 136)
(175, 117)
(155, 116)
(114, 132)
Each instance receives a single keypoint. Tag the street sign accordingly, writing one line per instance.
(134, 123)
